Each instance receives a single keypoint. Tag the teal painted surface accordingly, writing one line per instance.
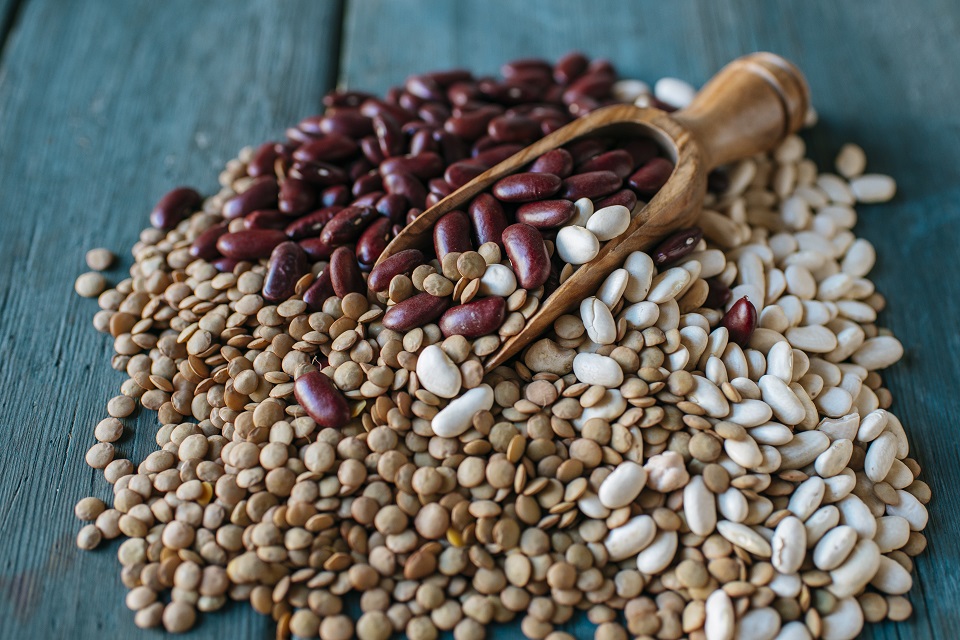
(106, 105)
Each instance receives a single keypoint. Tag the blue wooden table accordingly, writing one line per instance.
(106, 105)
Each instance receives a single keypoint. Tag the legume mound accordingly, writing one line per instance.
(706, 451)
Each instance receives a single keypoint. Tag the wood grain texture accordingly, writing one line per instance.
(105, 106)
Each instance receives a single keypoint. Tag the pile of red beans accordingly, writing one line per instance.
(344, 183)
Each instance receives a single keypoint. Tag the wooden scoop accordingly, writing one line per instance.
(749, 107)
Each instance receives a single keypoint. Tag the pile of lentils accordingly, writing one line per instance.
(727, 467)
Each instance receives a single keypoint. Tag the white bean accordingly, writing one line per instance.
(873, 188)
(457, 417)
(609, 222)
(577, 245)
(598, 321)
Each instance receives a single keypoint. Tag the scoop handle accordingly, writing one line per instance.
(748, 107)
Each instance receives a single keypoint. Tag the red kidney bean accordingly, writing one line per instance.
(358, 168)
(205, 244)
(318, 173)
(586, 148)
(549, 125)
(225, 265)
(347, 123)
(310, 225)
(590, 185)
(482, 144)
(394, 206)
(347, 225)
(513, 129)
(338, 194)
(263, 160)
(452, 148)
(461, 93)
(474, 319)
(526, 187)
(618, 161)
(649, 178)
(521, 65)
(509, 92)
(413, 214)
(389, 135)
(262, 194)
(296, 137)
(532, 77)
(319, 291)
(559, 162)
(422, 141)
(582, 105)
(433, 113)
(345, 98)
(265, 219)
(546, 214)
(311, 125)
(740, 321)
(413, 126)
(296, 196)
(406, 185)
(368, 199)
(460, 173)
(402, 262)
(367, 183)
(472, 125)
(250, 244)
(554, 95)
(497, 154)
(570, 67)
(541, 77)
(642, 150)
(538, 111)
(601, 65)
(623, 197)
(345, 272)
(425, 165)
(431, 200)
(392, 96)
(288, 263)
(452, 233)
(594, 85)
(174, 207)
(373, 241)
(677, 246)
(423, 87)
(718, 294)
(528, 255)
(326, 149)
(439, 187)
(415, 311)
(321, 399)
(409, 101)
(449, 76)
(488, 218)
(373, 107)
(371, 150)
(316, 249)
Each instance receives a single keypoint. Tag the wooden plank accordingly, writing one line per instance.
(105, 106)
(881, 76)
